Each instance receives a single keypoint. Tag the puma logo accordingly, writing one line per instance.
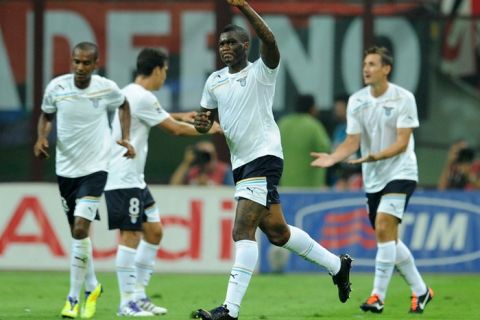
(84, 259)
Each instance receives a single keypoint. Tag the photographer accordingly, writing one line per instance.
(200, 166)
(461, 170)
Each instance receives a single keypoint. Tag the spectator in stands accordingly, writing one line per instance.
(300, 132)
(200, 166)
(342, 176)
(461, 170)
(340, 118)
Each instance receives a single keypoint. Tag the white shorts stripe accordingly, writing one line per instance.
(254, 189)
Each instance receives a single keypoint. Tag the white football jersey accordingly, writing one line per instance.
(146, 112)
(244, 101)
(83, 133)
(376, 119)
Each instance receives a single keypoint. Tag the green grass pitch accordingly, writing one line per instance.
(40, 295)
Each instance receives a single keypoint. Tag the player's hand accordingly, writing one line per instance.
(202, 122)
(368, 158)
(455, 149)
(215, 129)
(323, 160)
(130, 154)
(189, 116)
(237, 3)
(189, 155)
(40, 149)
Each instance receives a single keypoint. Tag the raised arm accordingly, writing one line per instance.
(125, 119)
(44, 127)
(268, 49)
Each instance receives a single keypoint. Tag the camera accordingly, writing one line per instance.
(202, 157)
(465, 155)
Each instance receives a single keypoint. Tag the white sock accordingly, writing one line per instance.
(125, 266)
(384, 264)
(303, 245)
(81, 253)
(91, 281)
(407, 268)
(144, 264)
(246, 256)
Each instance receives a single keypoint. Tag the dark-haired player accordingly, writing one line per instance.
(131, 207)
(242, 93)
(81, 102)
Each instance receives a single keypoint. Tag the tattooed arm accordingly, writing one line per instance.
(268, 50)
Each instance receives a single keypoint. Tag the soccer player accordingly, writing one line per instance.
(81, 102)
(242, 94)
(131, 207)
(380, 120)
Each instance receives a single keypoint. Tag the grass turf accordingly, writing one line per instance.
(41, 295)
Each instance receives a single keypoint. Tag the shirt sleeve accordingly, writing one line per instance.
(48, 102)
(150, 111)
(408, 117)
(115, 97)
(353, 124)
(264, 74)
(208, 101)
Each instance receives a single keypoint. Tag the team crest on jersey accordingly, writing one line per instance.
(95, 102)
(388, 110)
(157, 107)
(243, 81)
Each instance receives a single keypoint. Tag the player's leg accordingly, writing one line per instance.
(125, 212)
(298, 241)
(86, 211)
(247, 218)
(252, 195)
(146, 254)
(405, 264)
(386, 210)
(386, 231)
(80, 199)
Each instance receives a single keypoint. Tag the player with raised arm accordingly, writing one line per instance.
(242, 94)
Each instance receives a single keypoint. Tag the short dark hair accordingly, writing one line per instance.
(341, 97)
(150, 58)
(305, 102)
(383, 52)
(239, 30)
(87, 46)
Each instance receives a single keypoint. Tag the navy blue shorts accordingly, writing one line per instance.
(258, 180)
(71, 189)
(127, 208)
(393, 199)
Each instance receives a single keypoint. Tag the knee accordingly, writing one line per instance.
(383, 232)
(79, 232)
(243, 233)
(154, 234)
(278, 236)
